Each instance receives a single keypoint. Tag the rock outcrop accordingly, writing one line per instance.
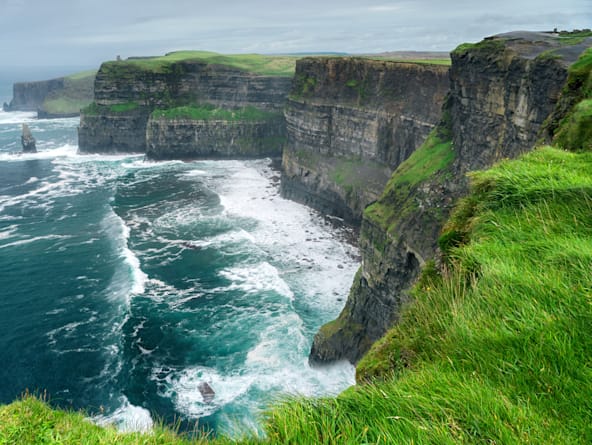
(502, 90)
(127, 92)
(27, 140)
(350, 123)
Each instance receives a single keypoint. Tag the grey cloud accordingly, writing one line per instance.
(88, 31)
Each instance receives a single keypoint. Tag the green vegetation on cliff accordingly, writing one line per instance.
(94, 109)
(254, 63)
(428, 162)
(211, 112)
(76, 94)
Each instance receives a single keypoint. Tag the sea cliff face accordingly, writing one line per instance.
(189, 138)
(502, 90)
(54, 98)
(350, 122)
(127, 92)
(28, 96)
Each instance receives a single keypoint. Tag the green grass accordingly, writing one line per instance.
(576, 131)
(123, 107)
(30, 420)
(211, 112)
(486, 45)
(496, 350)
(65, 105)
(431, 159)
(254, 63)
(77, 93)
(574, 37)
(569, 125)
(89, 74)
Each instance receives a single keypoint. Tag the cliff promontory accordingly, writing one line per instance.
(502, 90)
(148, 104)
(350, 123)
(60, 97)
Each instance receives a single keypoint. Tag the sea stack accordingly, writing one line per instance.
(28, 140)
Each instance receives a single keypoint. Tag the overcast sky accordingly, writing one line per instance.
(87, 32)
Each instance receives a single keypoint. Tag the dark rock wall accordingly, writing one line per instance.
(29, 96)
(104, 131)
(366, 113)
(186, 138)
(499, 102)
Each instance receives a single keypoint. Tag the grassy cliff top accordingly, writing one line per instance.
(253, 63)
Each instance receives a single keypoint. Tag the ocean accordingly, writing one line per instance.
(125, 285)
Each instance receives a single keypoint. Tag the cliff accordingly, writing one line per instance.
(127, 92)
(28, 96)
(184, 137)
(54, 98)
(350, 123)
(502, 90)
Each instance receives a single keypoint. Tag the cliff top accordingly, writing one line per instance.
(564, 46)
(253, 63)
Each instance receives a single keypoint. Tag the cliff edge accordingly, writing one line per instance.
(501, 92)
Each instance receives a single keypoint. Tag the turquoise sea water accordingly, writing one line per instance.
(126, 284)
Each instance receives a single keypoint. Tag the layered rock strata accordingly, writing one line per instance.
(29, 96)
(502, 90)
(350, 122)
(190, 138)
(126, 93)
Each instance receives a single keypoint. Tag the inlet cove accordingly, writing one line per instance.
(302, 249)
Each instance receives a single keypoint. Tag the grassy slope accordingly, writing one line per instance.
(255, 63)
(77, 94)
(496, 349)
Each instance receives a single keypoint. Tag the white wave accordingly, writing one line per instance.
(197, 172)
(32, 179)
(232, 237)
(147, 163)
(139, 277)
(66, 150)
(257, 278)
(127, 418)
(33, 240)
(78, 158)
(119, 233)
(8, 231)
(45, 190)
(311, 253)
(183, 387)
(17, 117)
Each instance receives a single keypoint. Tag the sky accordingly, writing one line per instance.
(86, 32)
